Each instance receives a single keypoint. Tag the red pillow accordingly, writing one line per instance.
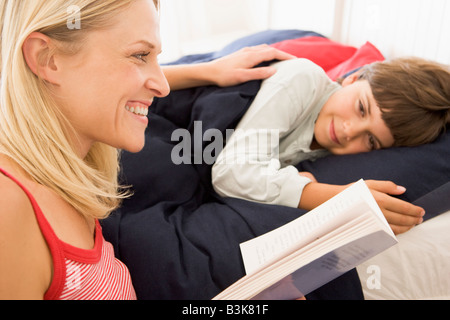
(367, 54)
(322, 51)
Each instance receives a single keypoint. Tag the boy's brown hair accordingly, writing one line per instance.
(414, 97)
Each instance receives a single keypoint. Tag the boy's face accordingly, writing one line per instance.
(350, 121)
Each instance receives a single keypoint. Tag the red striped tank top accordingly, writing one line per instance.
(80, 274)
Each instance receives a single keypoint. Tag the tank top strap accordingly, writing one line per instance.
(53, 242)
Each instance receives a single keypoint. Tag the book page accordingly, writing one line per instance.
(328, 267)
(319, 261)
(323, 219)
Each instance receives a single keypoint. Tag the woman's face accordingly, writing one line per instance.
(105, 89)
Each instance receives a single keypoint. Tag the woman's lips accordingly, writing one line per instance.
(139, 110)
(138, 107)
(333, 136)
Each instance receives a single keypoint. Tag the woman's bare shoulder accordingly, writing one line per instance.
(22, 246)
(14, 202)
(16, 213)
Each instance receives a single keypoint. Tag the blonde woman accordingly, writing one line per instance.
(77, 78)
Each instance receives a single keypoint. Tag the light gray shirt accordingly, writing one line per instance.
(275, 134)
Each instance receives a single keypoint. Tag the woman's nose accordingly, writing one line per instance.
(157, 83)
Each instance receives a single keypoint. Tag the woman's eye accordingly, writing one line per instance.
(141, 56)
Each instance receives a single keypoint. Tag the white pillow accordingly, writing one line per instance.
(417, 268)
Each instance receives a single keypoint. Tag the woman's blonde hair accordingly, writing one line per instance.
(33, 132)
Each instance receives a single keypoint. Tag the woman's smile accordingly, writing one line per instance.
(139, 108)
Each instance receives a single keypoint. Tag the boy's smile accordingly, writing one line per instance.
(351, 122)
(333, 135)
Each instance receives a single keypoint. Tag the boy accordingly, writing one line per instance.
(310, 116)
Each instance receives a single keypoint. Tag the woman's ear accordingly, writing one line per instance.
(350, 79)
(39, 56)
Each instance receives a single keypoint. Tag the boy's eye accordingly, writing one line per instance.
(372, 145)
(361, 109)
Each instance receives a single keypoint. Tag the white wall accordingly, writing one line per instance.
(396, 27)
(399, 27)
(314, 15)
(197, 26)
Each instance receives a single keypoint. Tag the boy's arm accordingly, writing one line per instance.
(401, 215)
(314, 194)
(230, 70)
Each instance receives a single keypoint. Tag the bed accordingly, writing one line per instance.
(180, 239)
(417, 268)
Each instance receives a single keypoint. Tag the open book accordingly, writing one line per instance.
(301, 256)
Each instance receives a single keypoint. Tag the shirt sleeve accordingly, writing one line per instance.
(249, 166)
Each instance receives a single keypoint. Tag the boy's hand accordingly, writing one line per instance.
(401, 215)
